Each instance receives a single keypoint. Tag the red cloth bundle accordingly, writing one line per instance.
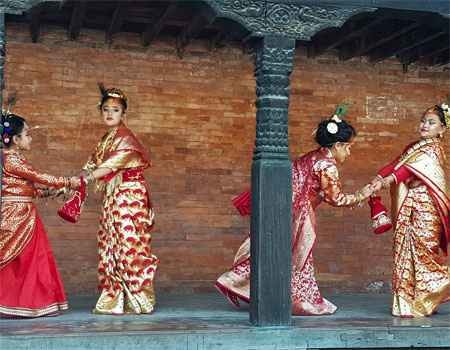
(243, 203)
(380, 220)
(71, 210)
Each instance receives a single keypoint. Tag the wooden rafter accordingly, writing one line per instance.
(366, 46)
(152, 30)
(344, 35)
(194, 27)
(403, 44)
(35, 23)
(76, 21)
(443, 59)
(116, 21)
(217, 39)
(436, 52)
(426, 51)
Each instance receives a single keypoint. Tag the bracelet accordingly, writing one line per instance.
(90, 176)
(67, 182)
(359, 196)
(385, 183)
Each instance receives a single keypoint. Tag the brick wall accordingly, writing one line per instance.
(197, 117)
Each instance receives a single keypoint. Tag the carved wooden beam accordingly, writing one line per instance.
(116, 21)
(289, 19)
(35, 23)
(20, 6)
(76, 21)
(438, 6)
(193, 29)
(152, 30)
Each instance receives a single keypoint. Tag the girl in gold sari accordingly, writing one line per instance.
(127, 266)
(420, 205)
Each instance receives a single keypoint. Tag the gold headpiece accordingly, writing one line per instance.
(112, 93)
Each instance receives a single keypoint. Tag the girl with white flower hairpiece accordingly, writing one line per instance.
(315, 178)
(420, 278)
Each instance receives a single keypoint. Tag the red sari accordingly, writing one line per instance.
(30, 285)
(315, 178)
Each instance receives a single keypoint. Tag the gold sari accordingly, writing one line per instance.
(127, 266)
(420, 281)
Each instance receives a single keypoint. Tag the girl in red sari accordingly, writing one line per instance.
(420, 206)
(315, 178)
(127, 266)
(30, 285)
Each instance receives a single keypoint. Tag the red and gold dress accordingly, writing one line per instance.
(127, 266)
(30, 284)
(420, 206)
(315, 178)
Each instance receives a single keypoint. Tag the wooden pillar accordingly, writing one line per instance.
(271, 186)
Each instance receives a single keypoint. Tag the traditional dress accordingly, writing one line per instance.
(30, 285)
(315, 178)
(127, 266)
(420, 280)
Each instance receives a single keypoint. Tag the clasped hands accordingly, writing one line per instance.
(379, 182)
(374, 186)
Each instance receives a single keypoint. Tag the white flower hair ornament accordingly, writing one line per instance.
(333, 123)
(332, 127)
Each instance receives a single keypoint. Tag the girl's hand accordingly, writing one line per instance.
(367, 191)
(377, 185)
(75, 182)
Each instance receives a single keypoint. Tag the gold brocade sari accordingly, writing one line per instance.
(127, 266)
(420, 280)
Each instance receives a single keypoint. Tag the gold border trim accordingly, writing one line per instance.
(26, 312)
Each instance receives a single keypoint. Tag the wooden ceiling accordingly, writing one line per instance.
(411, 36)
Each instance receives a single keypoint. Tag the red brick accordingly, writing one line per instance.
(197, 118)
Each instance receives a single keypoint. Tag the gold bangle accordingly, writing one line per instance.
(67, 182)
(359, 196)
(385, 182)
(90, 176)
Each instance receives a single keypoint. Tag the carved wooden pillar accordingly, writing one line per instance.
(271, 186)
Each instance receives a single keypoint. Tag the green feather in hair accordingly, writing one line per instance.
(342, 109)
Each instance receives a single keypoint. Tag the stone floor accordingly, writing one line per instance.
(207, 322)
